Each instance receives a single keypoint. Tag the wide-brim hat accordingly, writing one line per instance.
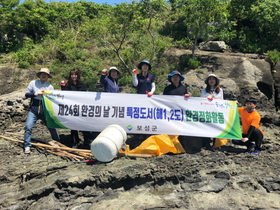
(175, 73)
(212, 75)
(144, 62)
(113, 68)
(44, 70)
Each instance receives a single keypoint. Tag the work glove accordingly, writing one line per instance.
(63, 83)
(210, 98)
(135, 71)
(187, 95)
(244, 139)
(104, 72)
(39, 93)
(149, 94)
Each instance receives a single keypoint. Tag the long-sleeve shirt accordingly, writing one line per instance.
(173, 90)
(80, 87)
(33, 87)
(248, 119)
(110, 85)
(219, 95)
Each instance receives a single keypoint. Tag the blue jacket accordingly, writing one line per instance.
(110, 84)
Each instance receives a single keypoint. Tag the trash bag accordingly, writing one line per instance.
(158, 145)
(220, 142)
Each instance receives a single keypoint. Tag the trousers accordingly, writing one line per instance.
(30, 122)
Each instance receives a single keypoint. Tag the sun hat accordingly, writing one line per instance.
(212, 75)
(252, 100)
(44, 70)
(113, 68)
(144, 62)
(175, 73)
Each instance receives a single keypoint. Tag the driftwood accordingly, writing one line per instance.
(135, 155)
(59, 149)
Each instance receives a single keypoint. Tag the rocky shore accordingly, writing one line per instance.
(226, 179)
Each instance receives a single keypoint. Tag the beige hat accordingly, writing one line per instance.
(212, 75)
(114, 68)
(44, 70)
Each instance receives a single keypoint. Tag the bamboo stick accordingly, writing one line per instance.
(48, 146)
(136, 155)
(50, 151)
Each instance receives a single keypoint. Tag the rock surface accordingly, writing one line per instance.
(226, 179)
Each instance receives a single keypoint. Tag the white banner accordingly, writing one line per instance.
(136, 113)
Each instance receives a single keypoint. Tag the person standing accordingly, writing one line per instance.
(35, 90)
(144, 81)
(110, 82)
(212, 91)
(176, 87)
(74, 83)
(251, 131)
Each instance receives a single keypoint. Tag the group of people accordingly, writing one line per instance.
(144, 82)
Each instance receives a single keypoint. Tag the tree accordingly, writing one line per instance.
(204, 18)
(131, 30)
(257, 24)
(6, 7)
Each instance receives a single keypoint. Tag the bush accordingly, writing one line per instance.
(23, 64)
(125, 80)
(186, 60)
(273, 56)
(24, 55)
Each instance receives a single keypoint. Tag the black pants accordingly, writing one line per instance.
(75, 137)
(207, 141)
(255, 137)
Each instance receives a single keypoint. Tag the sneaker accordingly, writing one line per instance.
(27, 150)
(250, 148)
(256, 152)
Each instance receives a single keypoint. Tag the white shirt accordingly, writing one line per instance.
(36, 85)
(219, 95)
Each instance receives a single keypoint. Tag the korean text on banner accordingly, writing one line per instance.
(159, 114)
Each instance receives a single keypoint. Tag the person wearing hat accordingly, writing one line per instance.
(213, 89)
(145, 82)
(110, 82)
(35, 90)
(74, 83)
(176, 87)
(251, 131)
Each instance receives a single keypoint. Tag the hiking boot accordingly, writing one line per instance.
(250, 147)
(27, 150)
(256, 152)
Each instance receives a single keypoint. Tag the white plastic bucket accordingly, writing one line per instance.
(106, 145)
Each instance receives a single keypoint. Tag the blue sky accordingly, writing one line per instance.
(112, 2)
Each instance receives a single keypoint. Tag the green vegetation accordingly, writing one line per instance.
(273, 56)
(92, 37)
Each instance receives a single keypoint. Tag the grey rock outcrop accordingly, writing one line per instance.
(218, 46)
